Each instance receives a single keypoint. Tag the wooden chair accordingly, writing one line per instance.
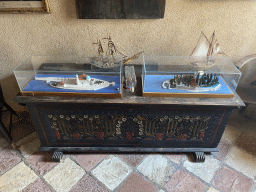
(3, 129)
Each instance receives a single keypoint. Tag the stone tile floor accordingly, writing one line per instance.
(231, 169)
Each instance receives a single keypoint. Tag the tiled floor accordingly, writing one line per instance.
(232, 169)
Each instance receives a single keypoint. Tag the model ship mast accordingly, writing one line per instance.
(112, 48)
(100, 49)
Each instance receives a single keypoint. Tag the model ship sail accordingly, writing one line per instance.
(202, 47)
(202, 55)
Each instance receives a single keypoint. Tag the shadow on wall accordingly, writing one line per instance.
(10, 90)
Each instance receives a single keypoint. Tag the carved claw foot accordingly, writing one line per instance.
(199, 157)
(57, 156)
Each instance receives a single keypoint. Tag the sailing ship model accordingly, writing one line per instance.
(203, 55)
(108, 60)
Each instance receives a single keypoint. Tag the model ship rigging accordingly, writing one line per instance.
(79, 82)
(202, 57)
(193, 83)
(109, 60)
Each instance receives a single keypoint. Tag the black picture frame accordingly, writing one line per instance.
(120, 9)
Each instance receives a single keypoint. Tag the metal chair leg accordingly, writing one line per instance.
(5, 132)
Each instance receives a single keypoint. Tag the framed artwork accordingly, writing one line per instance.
(120, 9)
(24, 6)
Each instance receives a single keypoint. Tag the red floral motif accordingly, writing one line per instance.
(183, 137)
(57, 134)
(129, 135)
(201, 135)
(159, 136)
(76, 136)
(100, 135)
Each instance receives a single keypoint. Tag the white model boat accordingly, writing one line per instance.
(202, 57)
(81, 82)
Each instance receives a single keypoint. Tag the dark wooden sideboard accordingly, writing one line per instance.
(130, 124)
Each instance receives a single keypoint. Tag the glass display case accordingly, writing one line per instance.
(69, 76)
(181, 76)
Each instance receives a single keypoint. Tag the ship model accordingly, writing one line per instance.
(108, 59)
(193, 83)
(79, 82)
(203, 55)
